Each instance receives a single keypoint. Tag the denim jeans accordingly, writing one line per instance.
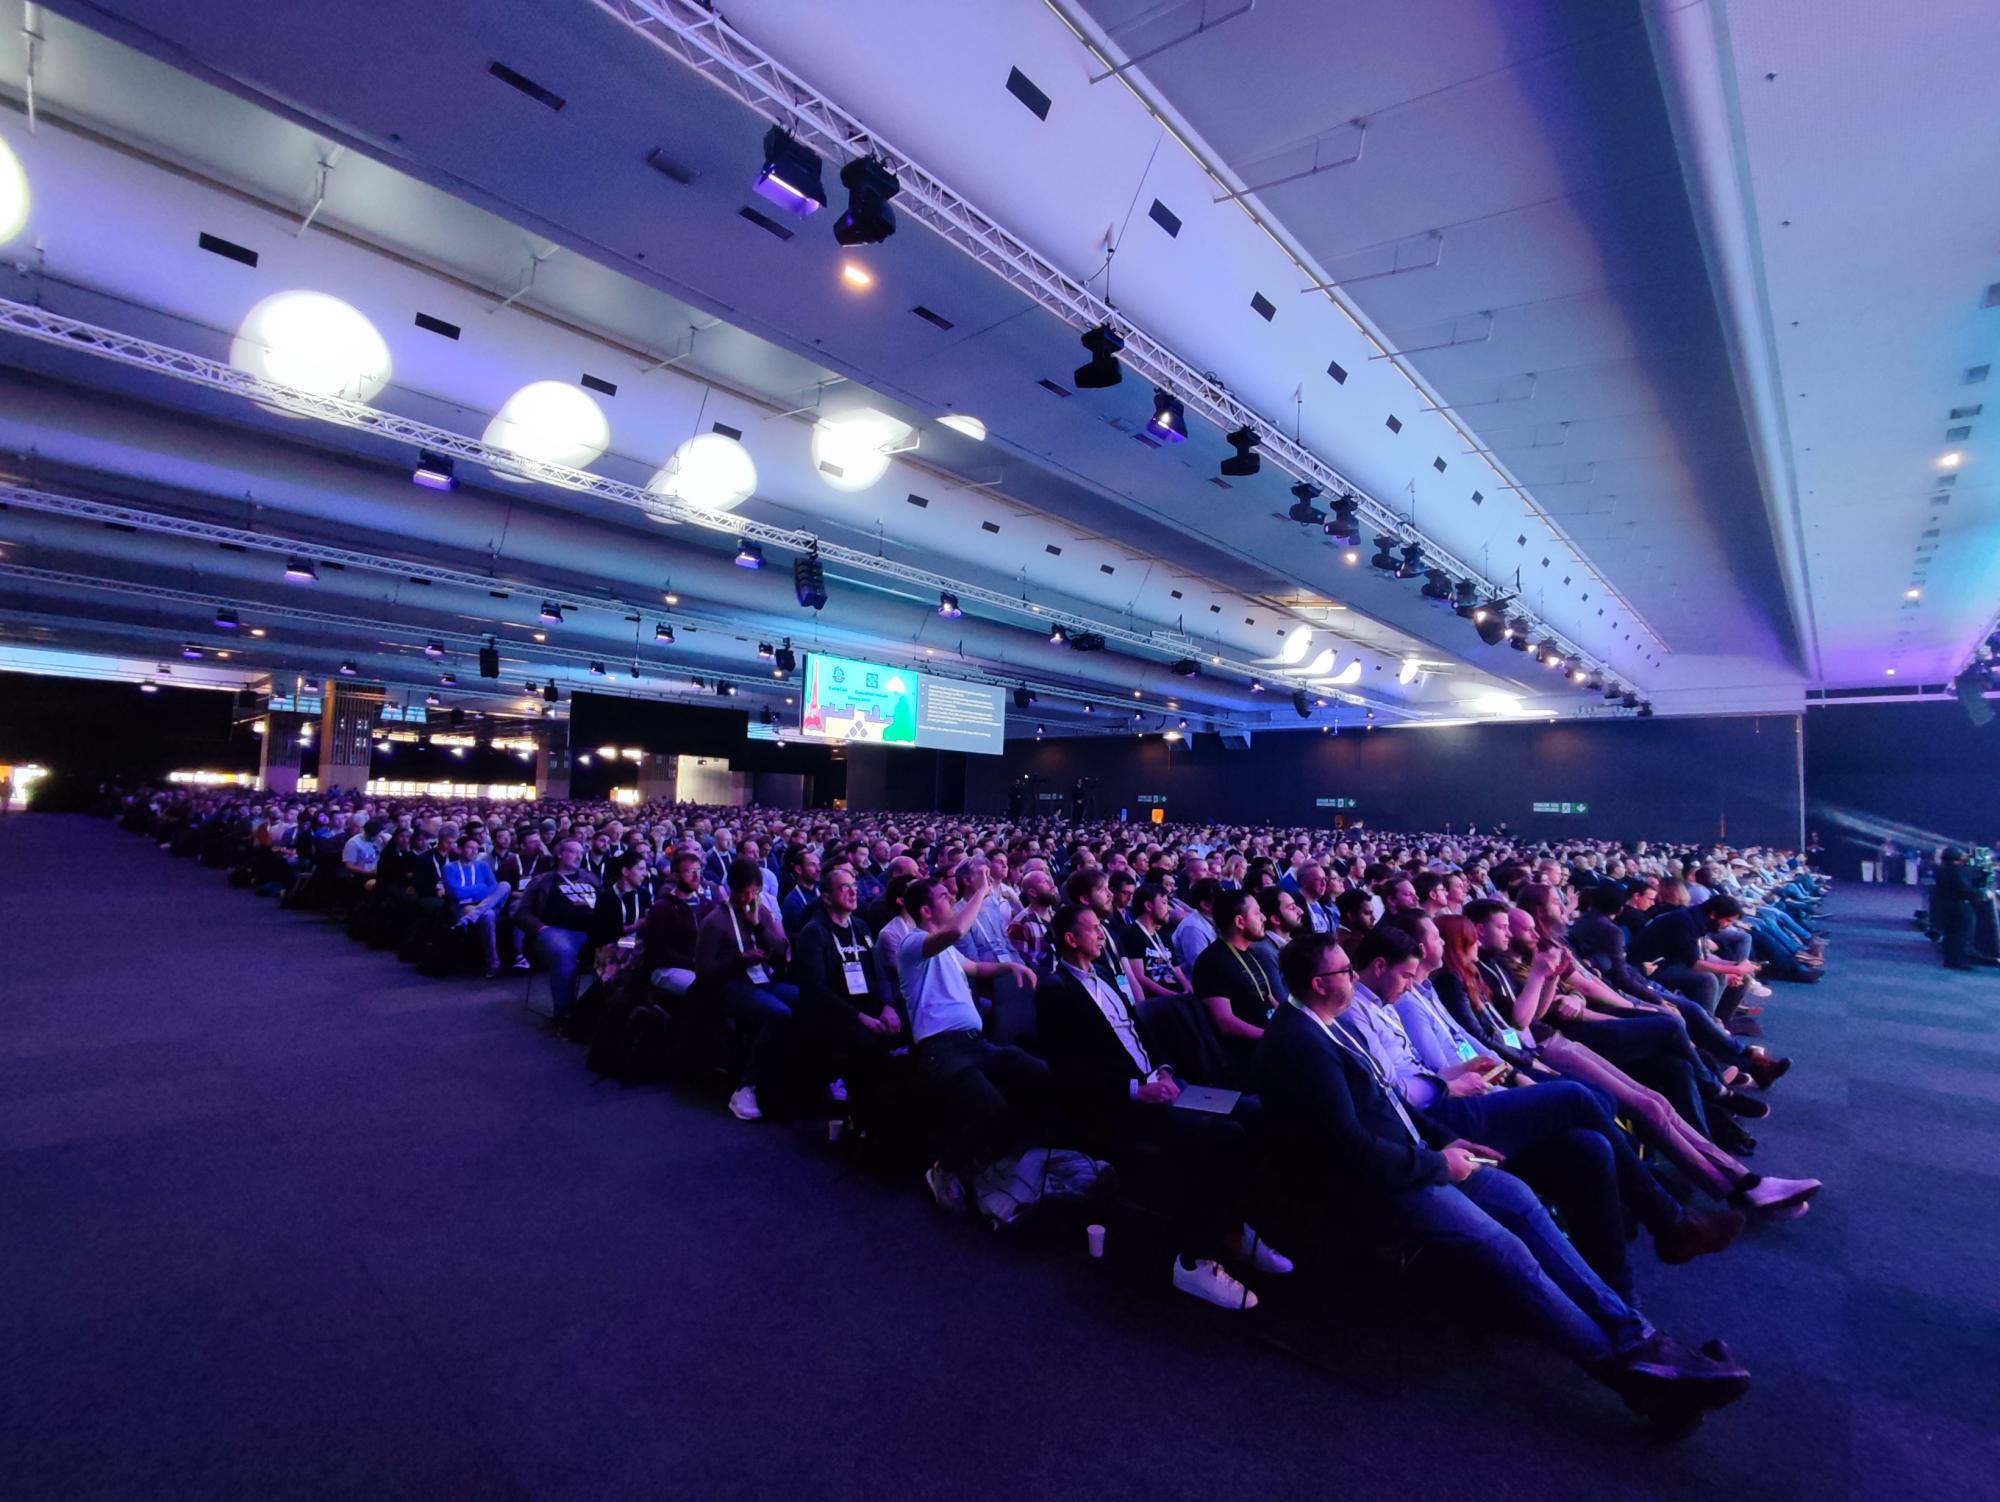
(988, 1091)
(559, 951)
(1656, 1052)
(1493, 1227)
(1561, 1137)
(759, 1013)
(1702, 987)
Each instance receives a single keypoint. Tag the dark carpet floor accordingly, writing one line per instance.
(279, 1218)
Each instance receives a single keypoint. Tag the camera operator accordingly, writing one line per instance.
(1959, 887)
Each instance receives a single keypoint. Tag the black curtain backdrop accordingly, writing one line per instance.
(1920, 774)
(1733, 778)
(88, 732)
(691, 730)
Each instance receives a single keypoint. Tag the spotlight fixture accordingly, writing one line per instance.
(1168, 424)
(1385, 560)
(550, 693)
(1629, 700)
(301, 570)
(1345, 525)
(191, 652)
(433, 649)
(348, 669)
(664, 633)
(785, 660)
(552, 614)
(790, 177)
(1186, 667)
(434, 472)
(1303, 510)
(869, 220)
(225, 620)
(1256, 685)
(765, 651)
(1057, 636)
(1040, 730)
(432, 700)
(948, 606)
(449, 680)
(749, 554)
(809, 581)
(1102, 368)
(597, 670)
(1022, 698)
(1244, 462)
(634, 670)
(1086, 641)
(1612, 692)
(489, 660)
(309, 686)
(1438, 587)
(1465, 600)
(1516, 632)
(1090, 709)
(1413, 561)
(149, 687)
(1302, 704)
(1645, 710)
(724, 689)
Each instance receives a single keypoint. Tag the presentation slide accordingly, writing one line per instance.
(844, 699)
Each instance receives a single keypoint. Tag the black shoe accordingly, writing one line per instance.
(1746, 1106)
(1731, 1138)
(1675, 1386)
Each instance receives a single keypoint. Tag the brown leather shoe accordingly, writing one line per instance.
(1698, 1234)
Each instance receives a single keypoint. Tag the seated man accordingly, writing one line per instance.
(629, 875)
(846, 1023)
(1148, 959)
(1344, 1136)
(667, 933)
(477, 897)
(564, 914)
(1122, 1103)
(739, 949)
(1677, 939)
(1232, 982)
(987, 1088)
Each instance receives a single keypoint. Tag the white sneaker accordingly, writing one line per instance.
(1264, 1258)
(1780, 1194)
(837, 1092)
(743, 1104)
(1208, 1280)
(948, 1189)
(521, 962)
(1759, 989)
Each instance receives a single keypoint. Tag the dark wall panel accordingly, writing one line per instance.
(1668, 779)
(695, 730)
(83, 729)
(1921, 774)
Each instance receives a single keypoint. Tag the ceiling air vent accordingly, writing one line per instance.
(937, 320)
(598, 384)
(1395, 423)
(919, 501)
(1052, 550)
(1338, 372)
(229, 250)
(1974, 374)
(1050, 386)
(1959, 414)
(993, 527)
(1023, 88)
(1263, 307)
(437, 326)
(763, 223)
(1165, 218)
(527, 86)
(726, 431)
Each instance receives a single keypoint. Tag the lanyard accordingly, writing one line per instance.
(1256, 974)
(1381, 1080)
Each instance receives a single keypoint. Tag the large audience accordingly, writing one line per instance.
(1508, 1055)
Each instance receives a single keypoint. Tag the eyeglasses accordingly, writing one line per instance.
(1343, 970)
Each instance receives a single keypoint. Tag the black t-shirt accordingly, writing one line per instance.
(1673, 937)
(1153, 953)
(1238, 977)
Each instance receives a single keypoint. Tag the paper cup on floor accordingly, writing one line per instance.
(1096, 1235)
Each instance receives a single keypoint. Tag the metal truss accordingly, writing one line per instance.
(74, 334)
(698, 37)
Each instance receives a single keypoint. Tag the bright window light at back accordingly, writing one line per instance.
(314, 343)
(553, 422)
(971, 427)
(13, 194)
(710, 472)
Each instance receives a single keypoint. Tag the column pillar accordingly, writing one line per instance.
(348, 715)
(659, 776)
(552, 759)
(285, 735)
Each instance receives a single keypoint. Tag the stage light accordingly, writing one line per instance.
(1301, 704)
(257, 631)
(549, 422)
(1168, 424)
(1090, 709)
(1385, 560)
(552, 614)
(434, 649)
(597, 670)
(1629, 699)
(766, 651)
(489, 660)
(149, 687)
(313, 343)
(1612, 692)
(348, 669)
(948, 606)
(709, 472)
(1645, 711)
(435, 472)
(225, 620)
(1465, 600)
(869, 220)
(856, 276)
(1256, 685)
(432, 700)
(1102, 368)
(191, 652)
(785, 659)
(1244, 462)
(1086, 641)
(1437, 586)
(749, 554)
(1186, 667)
(1516, 632)
(309, 686)
(724, 689)
(1039, 729)
(1057, 636)
(550, 693)
(449, 680)
(301, 571)
(790, 177)
(1413, 561)
(809, 582)
(664, 633)
(1344, 527)
(1303, 510)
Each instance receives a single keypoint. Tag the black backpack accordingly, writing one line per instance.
(631, 1044)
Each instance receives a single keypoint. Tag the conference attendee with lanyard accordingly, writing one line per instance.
(1148, 959)
(1124, 1107)
(1342, 1135)
(632, 887)
(1232, 982)
(669, 933)
(1196, 929)
(1314, 896)
(478, 896)
(846, 1025)
(739, 949)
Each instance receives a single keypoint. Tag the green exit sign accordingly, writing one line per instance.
(1333, 803)
(1562, 808)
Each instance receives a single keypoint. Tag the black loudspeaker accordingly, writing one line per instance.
(457, 717)
(1972, 686)
(489, 661)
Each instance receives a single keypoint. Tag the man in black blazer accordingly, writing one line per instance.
(1123, 1104)
(1342, 1132)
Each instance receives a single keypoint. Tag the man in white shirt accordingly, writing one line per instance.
(986, 1089)
(1196, 930)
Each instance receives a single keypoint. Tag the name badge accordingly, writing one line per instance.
(1466, 1052)
(759, 976)
(1124, 984)
(857, 983)
(1509, 1037)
